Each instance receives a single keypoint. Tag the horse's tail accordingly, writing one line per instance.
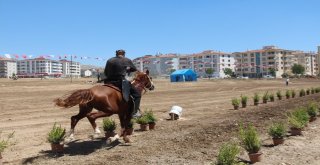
(82, 96)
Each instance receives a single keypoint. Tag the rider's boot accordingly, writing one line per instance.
(136, 110)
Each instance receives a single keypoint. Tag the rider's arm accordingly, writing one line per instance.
(106, 69)
(131, 67)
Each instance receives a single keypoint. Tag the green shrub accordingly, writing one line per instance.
(279, 95)
(271, 97)
(298, 118)
(235, 102)
(317, 90)
(288, 94)
(302, 93)
(302, 114)
(277, 130)
(227, 154)
(142, 120)
(244, 100)
(56, 134)
(109, 125)
(312, 109)
(151, 118)
(265, 97)
(308, 91)
(256, 98)
(293, 93)
(312, 90)
(4, 143)
(250, 139)
(295, 122)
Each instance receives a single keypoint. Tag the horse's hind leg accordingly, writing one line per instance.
(92, 119)
(83, 111)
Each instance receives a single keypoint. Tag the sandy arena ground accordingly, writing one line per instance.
(208, 120)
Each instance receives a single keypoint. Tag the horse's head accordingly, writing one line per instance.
(143, 80)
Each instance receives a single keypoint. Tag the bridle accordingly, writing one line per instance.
(145, 86)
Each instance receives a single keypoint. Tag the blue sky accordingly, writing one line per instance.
(97, 28)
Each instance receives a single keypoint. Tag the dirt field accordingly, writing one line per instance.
(208, 120)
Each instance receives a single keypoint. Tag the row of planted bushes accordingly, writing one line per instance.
(271, 97)
(249, 138)
(57, 134)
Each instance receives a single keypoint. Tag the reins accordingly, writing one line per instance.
(140, 84)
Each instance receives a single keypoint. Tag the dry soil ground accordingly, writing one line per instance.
(208, 120)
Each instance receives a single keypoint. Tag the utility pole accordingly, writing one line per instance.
(70, 69)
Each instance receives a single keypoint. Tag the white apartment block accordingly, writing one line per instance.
(39, 67)
(308, 60)
(70, 68)
(159, 65)
(8, 67)
(46, 67)
(200, 62)
(256, 63)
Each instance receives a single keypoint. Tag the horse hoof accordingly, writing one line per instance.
(127, 140)
(69, 139)
(112, 139)
(95, 136)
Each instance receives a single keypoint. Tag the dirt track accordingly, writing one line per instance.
(26, 107)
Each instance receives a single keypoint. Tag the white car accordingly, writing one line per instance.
(268, 76)
(242, 77)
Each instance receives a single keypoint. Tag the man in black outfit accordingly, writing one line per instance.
(116, 70)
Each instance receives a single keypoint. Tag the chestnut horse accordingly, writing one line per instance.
(107, 100)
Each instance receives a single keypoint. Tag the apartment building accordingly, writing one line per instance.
(256, 63)
(70, 68)
(8, 67)
(39, 67)
(306, 59)
(163, 65)
(158, 65)
(200, 62)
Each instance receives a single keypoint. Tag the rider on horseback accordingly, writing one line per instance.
(115, 71)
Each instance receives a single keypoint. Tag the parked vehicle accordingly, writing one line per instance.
(268, 76)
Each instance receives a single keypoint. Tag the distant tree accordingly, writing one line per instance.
(228, 71)
(297, 69)
(209, 72)
(272, 71)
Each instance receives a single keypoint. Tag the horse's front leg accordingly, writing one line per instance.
(124, 122)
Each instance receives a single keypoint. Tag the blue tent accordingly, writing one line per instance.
(183, 75)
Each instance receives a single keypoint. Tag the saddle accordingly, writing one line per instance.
(123, 87)
(125, 91)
